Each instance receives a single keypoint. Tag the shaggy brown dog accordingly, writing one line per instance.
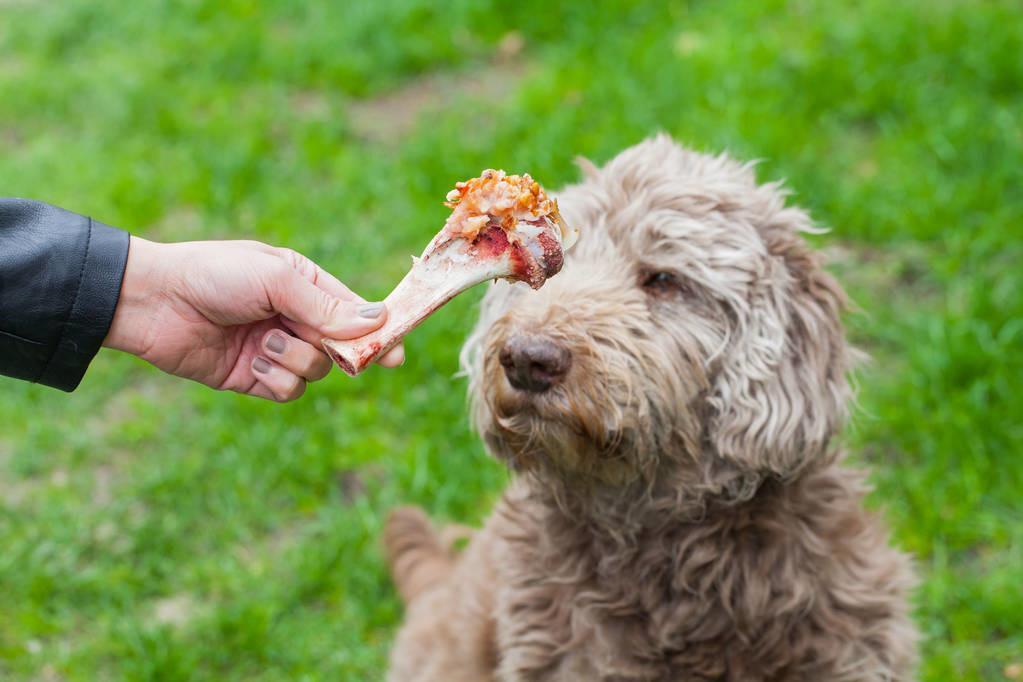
(668, 404)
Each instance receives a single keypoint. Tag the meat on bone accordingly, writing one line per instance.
(502, 227)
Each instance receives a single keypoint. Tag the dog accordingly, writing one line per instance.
(669, 405)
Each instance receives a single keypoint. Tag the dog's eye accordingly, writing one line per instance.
(663, 284)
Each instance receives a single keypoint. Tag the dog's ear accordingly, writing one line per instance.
(782, 391)
(589, 169)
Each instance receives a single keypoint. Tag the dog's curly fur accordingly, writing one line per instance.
(679, 511)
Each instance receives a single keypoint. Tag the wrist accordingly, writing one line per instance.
(130, 328)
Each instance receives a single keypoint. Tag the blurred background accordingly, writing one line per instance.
(154, 530)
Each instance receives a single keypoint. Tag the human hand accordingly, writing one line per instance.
(237, 315)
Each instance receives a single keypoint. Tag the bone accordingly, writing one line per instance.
(531, 252)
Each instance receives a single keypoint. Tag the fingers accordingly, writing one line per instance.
(259, 390)
(315, 305)
(295, 355)
(393, 358)
(317, 275)
(314, 336)
(321, 313)
(275, 382)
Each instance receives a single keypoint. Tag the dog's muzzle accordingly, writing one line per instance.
(534, 363)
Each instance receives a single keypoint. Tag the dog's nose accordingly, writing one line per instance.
(534, 363)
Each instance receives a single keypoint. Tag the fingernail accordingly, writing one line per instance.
(260, 365)
(371, 310)
(276, 343)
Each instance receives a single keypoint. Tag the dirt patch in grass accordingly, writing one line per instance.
(10, 138)
(350, 485)
(176, 610)
(900, 271)
(393, 114)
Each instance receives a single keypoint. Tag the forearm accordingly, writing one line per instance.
(60, 278)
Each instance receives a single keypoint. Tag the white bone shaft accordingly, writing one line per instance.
(423, 290)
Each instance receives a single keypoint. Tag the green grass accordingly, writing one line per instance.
(160, 531)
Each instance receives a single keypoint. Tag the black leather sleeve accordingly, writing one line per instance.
(60, 278)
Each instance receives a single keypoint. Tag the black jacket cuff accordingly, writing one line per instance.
(92, 310)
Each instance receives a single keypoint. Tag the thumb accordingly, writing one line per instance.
(300, 300)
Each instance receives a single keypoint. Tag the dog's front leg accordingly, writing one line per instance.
(448, 635)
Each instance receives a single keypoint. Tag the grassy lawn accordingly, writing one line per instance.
(152, 530)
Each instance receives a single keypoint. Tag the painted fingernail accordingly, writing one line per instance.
(371, 310)
(260, 365)
(276, 343)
